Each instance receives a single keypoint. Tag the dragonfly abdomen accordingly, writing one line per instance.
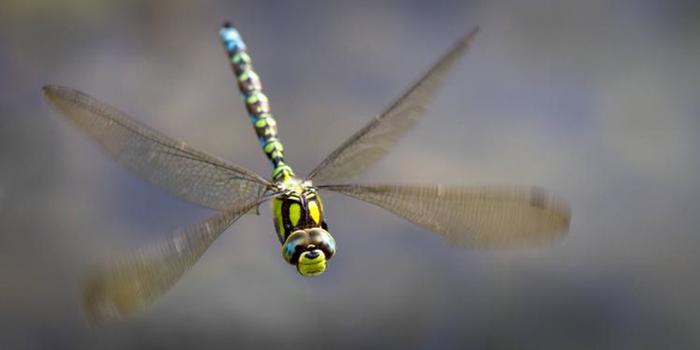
(256, 101)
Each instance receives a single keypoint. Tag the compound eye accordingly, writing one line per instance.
(322, 240)
(328, 248)
(295, 244)
(316, 236)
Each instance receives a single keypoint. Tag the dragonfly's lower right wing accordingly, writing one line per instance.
(131, 282)
(484, 217)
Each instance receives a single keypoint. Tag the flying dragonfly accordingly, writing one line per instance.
(466, 216)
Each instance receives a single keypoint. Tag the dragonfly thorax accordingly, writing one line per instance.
(298, 206)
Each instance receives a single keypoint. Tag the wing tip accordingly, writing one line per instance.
(94, 297)
(467, 39)
(49, 90)
(106, 298)
(53, 92)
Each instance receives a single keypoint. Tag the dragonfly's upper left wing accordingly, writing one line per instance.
(128, 284)
(168, 163)
(472, 216)
(373, 141)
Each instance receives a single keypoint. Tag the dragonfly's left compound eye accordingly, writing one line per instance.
(295, 244)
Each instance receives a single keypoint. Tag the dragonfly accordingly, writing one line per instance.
(467, 216)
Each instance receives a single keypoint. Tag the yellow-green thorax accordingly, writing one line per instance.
(298, 207)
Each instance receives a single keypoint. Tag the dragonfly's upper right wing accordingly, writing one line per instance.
(373, 141)
(484, 217)
(170, 164)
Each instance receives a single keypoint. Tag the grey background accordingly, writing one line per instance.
(596, 100)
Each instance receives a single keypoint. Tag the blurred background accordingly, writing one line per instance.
(595, 100)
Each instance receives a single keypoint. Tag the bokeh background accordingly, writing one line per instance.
(596, 100)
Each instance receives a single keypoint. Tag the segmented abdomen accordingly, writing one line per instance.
(256, 102)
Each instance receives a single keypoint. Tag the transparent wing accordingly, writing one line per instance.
(484, 217)
(129, 283)
(373, 141)
(170, 164)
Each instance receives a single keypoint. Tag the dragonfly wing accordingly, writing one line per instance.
(168, 163)
(486, 217)
(129, 283)
(374, 140)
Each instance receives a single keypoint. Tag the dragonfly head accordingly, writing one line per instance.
(309, 250)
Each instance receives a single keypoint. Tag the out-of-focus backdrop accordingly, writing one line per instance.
(596, 100)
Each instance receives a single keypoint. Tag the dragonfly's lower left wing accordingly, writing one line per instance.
(472, 216)
(129, 283)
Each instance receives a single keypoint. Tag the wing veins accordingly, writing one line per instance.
(395, 121)
(169, 163)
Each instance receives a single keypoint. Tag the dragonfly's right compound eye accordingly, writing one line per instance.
(322, 240)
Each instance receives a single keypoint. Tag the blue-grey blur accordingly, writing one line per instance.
(596, 100)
